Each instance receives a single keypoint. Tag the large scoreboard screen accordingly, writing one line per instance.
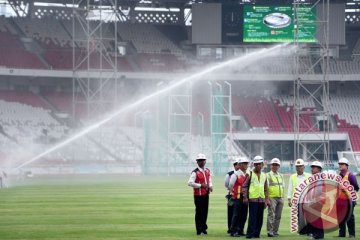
(276, 24)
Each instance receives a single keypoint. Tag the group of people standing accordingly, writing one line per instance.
(258, 191)
(250, 192)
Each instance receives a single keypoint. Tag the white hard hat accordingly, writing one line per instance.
(200, 156)
(236, 161)
(316, 164)
(344, 160)
(275, 161)
(258, 159)
(243, 160)
(299, 162)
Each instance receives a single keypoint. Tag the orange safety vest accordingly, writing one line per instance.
(343, 195)
(201, 179)
(237, 186)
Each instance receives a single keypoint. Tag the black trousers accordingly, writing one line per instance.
(256, 216)
(316, 232)
(230, 209)
(303, 226)
(201, 212)
(350, 224)
(239, 216)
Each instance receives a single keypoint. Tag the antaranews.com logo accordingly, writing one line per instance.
(322, 200)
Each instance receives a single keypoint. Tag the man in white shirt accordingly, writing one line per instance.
(294, 181)
(240, 209)
(230, 207)
(315, 227)
(200, 181)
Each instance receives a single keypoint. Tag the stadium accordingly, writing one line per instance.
(104, 105)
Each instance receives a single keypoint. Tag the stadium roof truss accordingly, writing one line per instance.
(145, 11)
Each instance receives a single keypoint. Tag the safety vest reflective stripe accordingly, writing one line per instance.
(201, 179)
(237, 186)
(256, 189)
(276, 186)
(295, 181)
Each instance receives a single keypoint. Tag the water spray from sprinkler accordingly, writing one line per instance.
(250, 58)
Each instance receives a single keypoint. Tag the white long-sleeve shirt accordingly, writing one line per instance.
(192, 179)
(301, 178)
(227, 180)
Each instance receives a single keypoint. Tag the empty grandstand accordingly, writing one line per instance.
(65, 68)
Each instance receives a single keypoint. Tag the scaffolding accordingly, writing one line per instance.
(96, 82)
(221, 125)
(94, 45)
(179, 137)
(314, 121)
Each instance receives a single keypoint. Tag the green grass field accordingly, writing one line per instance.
(133, 207)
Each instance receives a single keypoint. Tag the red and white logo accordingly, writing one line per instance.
(323, 201)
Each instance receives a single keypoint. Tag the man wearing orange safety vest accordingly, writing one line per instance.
(230, 205)
(240, 209)
(347, 175)
(200, 181)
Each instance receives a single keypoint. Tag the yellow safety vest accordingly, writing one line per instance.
(295, 181)
(256, 189)
(276, 186)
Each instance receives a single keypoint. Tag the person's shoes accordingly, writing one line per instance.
(248, 237)
(228, 231)
(270, 235)
(351, 236)
(204, 232)
(234, 235)
(276, 234)
(241, 234)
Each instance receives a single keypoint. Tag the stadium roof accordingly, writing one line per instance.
(159, 3)
(25, 8)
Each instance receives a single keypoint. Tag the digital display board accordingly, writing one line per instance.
(276, 24)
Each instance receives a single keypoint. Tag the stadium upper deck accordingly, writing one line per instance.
(41, 37)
